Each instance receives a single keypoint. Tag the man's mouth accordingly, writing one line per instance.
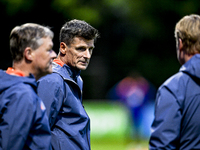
(84, 62)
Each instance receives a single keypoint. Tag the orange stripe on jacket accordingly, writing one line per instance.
(59, 62)
(12, 71)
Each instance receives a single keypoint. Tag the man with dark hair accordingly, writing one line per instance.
(23, 123)
(177, 124)
(62, 90)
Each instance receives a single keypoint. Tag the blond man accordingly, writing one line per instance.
(177, 124)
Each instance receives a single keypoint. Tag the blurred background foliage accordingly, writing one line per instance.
(136, 35)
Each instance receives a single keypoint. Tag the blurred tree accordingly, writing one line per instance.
(77, 9)
(15, 6)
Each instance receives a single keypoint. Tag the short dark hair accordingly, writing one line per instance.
(77, 28)
(27, 35)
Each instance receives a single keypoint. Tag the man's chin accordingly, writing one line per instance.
(82, 68)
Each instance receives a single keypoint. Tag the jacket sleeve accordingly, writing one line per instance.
(52, 94)
(16, 120)
(167, 122)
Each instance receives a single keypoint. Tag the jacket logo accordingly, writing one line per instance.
(42, 106)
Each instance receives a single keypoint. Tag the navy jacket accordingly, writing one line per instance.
(177, 110)
(23, 120)
(70, 124)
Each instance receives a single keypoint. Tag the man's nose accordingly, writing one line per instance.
(53, 54)
(87, 54)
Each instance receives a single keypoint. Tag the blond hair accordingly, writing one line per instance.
(188, 30)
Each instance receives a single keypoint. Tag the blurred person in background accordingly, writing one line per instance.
(176, 124)
(62, 90)
(24, 123)
(138, 95)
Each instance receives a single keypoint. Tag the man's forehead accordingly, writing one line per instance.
(82, 41)
(48, 41)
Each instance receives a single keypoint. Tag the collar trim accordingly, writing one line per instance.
(12, 71)
(59, 62)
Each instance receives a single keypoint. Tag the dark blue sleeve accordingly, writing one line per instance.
(52, 94)
(167, 122)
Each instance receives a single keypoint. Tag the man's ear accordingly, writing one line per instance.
(28, 54)
(180, 44)
(63, 48)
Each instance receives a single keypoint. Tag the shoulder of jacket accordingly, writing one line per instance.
(51, 77)
(176, 85)
(22, 92)
(178, 79)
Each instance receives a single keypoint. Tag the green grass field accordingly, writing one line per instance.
(111, 128)
(118, 145)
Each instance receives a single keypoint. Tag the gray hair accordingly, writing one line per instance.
(27, 35)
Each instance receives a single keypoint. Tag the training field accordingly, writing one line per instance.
(111, 128)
